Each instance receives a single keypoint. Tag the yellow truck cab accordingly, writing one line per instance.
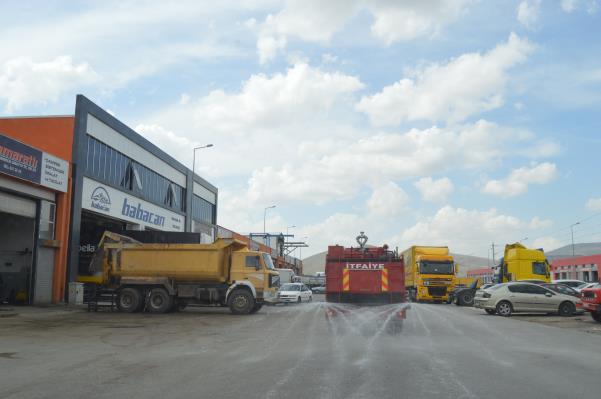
(163, 277)
(521, 263)
(429, 273)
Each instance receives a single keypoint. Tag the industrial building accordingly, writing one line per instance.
(585, 268)
(105, 176)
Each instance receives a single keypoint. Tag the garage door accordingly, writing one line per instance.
(16, 205)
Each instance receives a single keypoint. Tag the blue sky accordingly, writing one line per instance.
(451, 122)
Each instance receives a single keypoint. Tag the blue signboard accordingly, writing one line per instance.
(20, 160)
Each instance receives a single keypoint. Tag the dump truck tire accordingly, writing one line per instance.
(129, 300)
(596, 316)
(241, 301)
(159, 301)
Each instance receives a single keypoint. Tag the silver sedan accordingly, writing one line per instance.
(508, 298)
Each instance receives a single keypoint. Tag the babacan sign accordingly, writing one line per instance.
(100, 198)
(24, 162)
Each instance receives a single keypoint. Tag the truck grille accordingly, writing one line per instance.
(437, 291)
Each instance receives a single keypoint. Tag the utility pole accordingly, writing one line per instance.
(265, 218)
(493, 253)
(572, 229)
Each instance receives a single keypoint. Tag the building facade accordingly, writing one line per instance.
(485, 274)
(121, 181)
(65, 180)
(585, 268)
(35, 207)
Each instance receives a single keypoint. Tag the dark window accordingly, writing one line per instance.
(518, 288)
(252, 261)
(202, 210)
(109, 165)
(539, 268)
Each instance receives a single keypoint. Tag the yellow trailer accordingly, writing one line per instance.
(429, 273)
(160, 277)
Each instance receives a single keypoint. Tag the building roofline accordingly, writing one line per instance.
(37, 116)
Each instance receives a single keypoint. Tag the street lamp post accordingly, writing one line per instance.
(264, 219)
(287, 230)
(572, 229)
(300, 250)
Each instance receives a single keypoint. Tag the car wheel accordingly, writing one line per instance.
(567, 309)
(504, 309)
(490, 311)
(596, 316)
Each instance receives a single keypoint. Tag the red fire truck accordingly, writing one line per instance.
(591, 301)
(366, 276)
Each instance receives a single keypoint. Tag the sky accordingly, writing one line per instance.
(421, 122)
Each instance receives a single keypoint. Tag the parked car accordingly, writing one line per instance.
(562, 289)
(506, 299)
(585, 285)
(486, 286)
(570, 283)
(319, 289)
(294, 292)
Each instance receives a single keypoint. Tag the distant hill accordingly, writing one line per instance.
(584, 249)
(316, 263)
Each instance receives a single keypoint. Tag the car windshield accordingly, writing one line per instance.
(290, 287)
(428, 267)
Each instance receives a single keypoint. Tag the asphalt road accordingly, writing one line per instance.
(290, 352)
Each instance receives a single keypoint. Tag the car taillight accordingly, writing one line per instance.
(486, 295)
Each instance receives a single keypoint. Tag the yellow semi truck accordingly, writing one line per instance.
(521, 263)
(162, 277)
(429, 273)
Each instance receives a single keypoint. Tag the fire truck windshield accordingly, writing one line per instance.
(436, 267)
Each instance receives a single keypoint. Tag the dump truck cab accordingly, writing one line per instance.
(256, 271)
(521, 263)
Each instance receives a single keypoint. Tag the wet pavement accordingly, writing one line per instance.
(293, 352)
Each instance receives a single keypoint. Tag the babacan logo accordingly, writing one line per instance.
(100, 199)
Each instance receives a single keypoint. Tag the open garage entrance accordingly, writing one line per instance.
(17, 249)
(93, 226)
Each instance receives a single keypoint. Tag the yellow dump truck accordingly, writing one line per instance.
(521, 263)
(163, 277)
(429, 273)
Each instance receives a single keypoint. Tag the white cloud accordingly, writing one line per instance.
(434, 190)
(388, 200)
(463, 230)
(538, 223)
(518, 180)
(569, 6)
(464, 86)
(547, 243)
(594, 204)
(318, 21)
(528, 13)
(24, 81)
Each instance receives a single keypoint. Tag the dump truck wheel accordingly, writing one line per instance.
(467, 299)
(596, 316)
(504, 309)
(490, 311)
(567, 309)
(241, 301)
(129, 300)
(159, 301)
(256, 308)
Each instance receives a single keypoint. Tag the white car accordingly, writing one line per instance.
(294, 293)
(570, 283)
